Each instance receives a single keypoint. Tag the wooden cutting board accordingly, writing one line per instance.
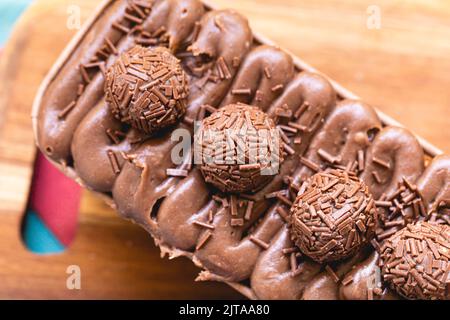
(401, 68)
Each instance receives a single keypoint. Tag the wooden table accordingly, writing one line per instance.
(401, 68)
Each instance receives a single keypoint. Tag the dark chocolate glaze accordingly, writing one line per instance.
(168, 206)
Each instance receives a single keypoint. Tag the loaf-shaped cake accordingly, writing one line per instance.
(356, 209)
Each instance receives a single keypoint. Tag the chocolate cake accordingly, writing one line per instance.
(109, 111)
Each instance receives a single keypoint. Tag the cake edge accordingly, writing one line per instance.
(342, 93)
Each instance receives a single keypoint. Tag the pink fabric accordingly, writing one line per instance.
(56, 199)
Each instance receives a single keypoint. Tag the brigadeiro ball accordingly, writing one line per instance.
(238, 148)
(415, 261)
(332, 216)
(147, 88)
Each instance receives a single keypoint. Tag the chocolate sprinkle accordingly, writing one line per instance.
(328, 157)
(121, 27)
(113, 136)
(237, 222)
(259, 242)
(332, 273)
(311, 165)
(204, 225)
(248, 210)
(402, 207)
(347, 280)
(64, 112)
(113, 161)
(203, 240)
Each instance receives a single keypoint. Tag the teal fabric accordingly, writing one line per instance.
(10, 10)
(38, 237)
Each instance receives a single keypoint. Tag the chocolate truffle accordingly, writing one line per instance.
(332, 216)
(238, 148)
(147, 88)
(415, 261)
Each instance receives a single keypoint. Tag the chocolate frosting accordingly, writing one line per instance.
(264, 73)
(434, 186)
(90, 145)
(401, 157)
(347, 130)
(273, 277)
(325, 285)
(185, 215)
(224, 35)
(395, 155)
(362, 276)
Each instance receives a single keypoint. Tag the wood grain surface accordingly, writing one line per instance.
(401, 68)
